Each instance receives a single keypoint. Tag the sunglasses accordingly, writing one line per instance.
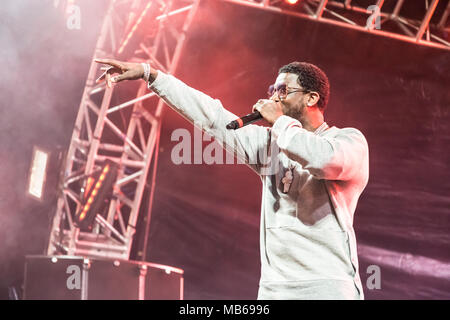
(282, 90)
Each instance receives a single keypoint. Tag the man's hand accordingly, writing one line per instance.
(269, 109)
(126, 71)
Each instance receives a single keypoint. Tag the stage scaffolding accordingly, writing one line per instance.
(351, 14)
(135, 148)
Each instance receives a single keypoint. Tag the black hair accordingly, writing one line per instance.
(311, 78)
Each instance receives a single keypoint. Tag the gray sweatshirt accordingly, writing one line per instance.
(311, 182)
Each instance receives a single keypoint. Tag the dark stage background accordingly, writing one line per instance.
(205, 218)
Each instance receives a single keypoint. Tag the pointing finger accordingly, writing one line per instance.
(110, 62)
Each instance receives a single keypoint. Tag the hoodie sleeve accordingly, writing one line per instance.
(331, 158)
(247, 144)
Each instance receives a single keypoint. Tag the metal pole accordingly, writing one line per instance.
(426, 20)
(151, 196)
(320, 9)
(444, 17)
(397, 8)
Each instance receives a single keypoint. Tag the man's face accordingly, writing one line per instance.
(294, 102)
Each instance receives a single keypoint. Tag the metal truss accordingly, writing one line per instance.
(128, 134)
(344, 13)
(102, 131)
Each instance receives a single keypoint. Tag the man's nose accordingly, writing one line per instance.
(275, 97)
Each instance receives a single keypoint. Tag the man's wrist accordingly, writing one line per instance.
(146, 74)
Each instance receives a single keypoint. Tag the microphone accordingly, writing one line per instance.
(245, 120)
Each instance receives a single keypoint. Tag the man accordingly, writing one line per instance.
(307, 240)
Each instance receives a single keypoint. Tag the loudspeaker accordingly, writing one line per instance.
(79, 278)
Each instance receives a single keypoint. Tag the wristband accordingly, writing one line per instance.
(146, 75)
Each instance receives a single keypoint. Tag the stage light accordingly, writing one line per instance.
(291, 1)
(44, 172)
(38, 173)
(98, 189)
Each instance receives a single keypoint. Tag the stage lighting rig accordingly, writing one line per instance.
(97, 193)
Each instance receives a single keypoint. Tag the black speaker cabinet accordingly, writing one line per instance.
(79, 278)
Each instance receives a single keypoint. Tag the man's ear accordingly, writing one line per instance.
(313, 98)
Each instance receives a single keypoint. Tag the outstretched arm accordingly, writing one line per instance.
(248, 144)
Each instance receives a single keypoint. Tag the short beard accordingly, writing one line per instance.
(295, 113)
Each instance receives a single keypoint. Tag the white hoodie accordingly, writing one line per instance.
(307, 241)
